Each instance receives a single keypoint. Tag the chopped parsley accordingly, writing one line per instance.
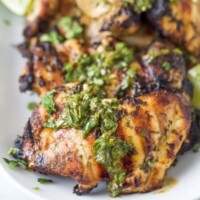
(32, 105)
(85, 111)
(98, 68)
(177, 51)
(13, 164)
(163, 52)
(156, 54)
(144, 133)
(12, 151)
(72, 28)
(44, 180)
(50, 124)
(148, 163)
(67, 28)
(109, 150)
(126, 82)
(166, 66)
(48, 102)
(52, 37)
(36, 188)
(141, 5)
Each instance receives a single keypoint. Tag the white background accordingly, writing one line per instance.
(8, 191)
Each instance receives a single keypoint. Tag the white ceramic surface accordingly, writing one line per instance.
(13, 115)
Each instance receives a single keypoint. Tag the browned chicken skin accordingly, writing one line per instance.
(179, 21)
(163, 66)
(44, 68)
(165, 118)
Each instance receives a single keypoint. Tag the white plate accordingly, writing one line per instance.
(14, 114)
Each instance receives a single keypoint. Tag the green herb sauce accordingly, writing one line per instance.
(69, 28)
(141, 5)
(72, 28)
(48, 102)
(97, 69)
(86, 110)
(52, 37)
(166, 66)
(109, 150)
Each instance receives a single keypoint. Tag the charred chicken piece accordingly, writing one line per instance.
(38, 20)
(115, 17)
(179, 21)
(158, 124)
(46, 13)
(163, 67)
(108, 64)
(146, 136)
(44, 68)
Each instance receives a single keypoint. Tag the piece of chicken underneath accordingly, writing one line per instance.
(179, 21)
(156, 124)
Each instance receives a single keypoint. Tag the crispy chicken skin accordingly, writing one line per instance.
(154, 72)
(163, 116)
(44, 68)
(179, 21)
(45, 13)
(100, 19)
(39, 19)
(166, 119)
(115, 18)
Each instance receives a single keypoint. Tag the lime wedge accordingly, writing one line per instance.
(19, 7)
(194, 77)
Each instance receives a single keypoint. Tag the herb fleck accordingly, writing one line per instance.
(148, 164)
(48, 102)
(166, 66)
(36, 188)
(156, 54)
(12, 151)
(109, 150)
(72, 27)
(98, 68)
(13, 164)
(32, 105)
(144, 133)
(141, 5)
(52, 37)
(44, 180)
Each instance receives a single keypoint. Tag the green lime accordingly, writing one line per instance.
(194, 77)
(19, 7)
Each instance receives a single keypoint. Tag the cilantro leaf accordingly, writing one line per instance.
(48, 102)
(44, 180)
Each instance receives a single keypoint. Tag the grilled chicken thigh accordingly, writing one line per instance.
(155, 125)
(45, 13)
(44, 68)
(179, 21)
(163, 66)
(112, 17)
